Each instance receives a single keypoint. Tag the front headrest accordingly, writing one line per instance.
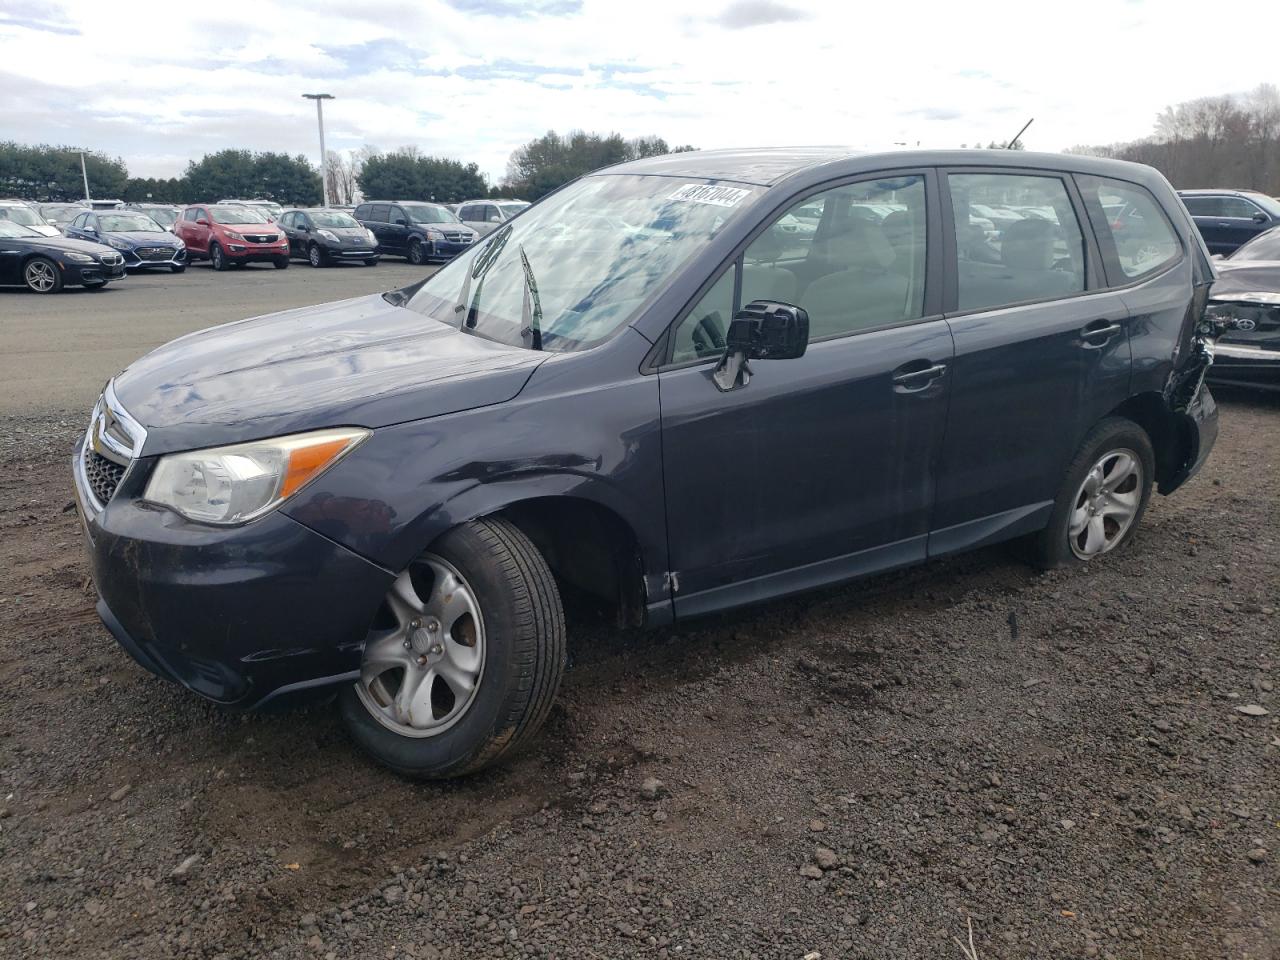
(861, 245)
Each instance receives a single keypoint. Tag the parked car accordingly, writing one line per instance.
(1227, 219)
(231, 236)
(384, 496)
(269, 207)
(105, 204)
(485, 216)
(322, 237)
(27, 216)
(1248, 290)
(165, 214)
(141, 241)
(45, 264)
(419, 232)
(59, 215)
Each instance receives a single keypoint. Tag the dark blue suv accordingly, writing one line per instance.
(682, 384)
(1228, 219)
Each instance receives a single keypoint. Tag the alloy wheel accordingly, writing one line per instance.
(313, 255)
(1106, 504)
(41, 276)
(424, 658)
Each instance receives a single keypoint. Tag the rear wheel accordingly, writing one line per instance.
(315, 256)
(1103, 497)
(217, 258)
(42, 275)
(465, 658)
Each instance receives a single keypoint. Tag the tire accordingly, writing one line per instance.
(1101, 492)
(41, 275)
(521, 651)
(315, 256)
(371, 262)
(417, 254)
(280, 263)
(177, 268)
(217, 258)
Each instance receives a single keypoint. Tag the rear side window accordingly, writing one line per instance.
(378, 212)
(1035, 252)
(191, 213)
(467, 213)
(1142, 240)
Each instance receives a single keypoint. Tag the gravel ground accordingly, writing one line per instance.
(1062, 760)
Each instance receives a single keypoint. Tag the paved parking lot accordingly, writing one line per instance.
(60, 349)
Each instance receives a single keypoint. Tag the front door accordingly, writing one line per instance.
(1039, 358)
(819, 468)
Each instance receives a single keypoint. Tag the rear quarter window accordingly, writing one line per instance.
(1134, 233)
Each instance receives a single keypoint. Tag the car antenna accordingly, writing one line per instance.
(1009, 145)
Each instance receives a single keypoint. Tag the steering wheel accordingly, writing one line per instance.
(708, 334)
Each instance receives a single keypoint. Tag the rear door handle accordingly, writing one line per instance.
(917, 374)
(1097, 333)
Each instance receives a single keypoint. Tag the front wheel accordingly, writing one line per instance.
(315, 256)
(280, 263)
(1102, 498)
(371, 262)
(417, 253)
(42, 275)
(178, 267)
(217, 258)
(465, 657)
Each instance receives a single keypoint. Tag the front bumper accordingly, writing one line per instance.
(448, 249)
(344, 252)
(76, 274)
(133, 261)
(249, 252)
(241, 615)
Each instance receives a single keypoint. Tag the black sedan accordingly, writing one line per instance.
(1248, 291)
(324, 236)
(47, 264)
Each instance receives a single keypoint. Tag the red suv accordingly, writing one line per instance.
(229, 234)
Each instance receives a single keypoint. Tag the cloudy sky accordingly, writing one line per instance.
(473, 79)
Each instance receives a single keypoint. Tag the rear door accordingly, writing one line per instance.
(1042, 353)
(823, 467)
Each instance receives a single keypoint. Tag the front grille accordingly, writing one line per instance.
(155, 253)
(261, 237)
(103, 475)
(111, 259)
(457, 237)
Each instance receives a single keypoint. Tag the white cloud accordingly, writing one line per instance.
(473, 79)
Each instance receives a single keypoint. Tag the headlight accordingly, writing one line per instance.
(369, 233)
(118, 244)
(230, 485)
(434, 234)
(328, 235)
(76, 257)
(232, 235)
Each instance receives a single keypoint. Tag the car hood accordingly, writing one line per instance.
(361, 362)
(146, 238)
(44, 229)
(69, 243)
(1245, 278)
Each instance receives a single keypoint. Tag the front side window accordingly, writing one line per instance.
(380, 213)
(1141, 234)
(1238, 208)
(492, 215)
(1036, 255)
(572, 271)
(853, 257)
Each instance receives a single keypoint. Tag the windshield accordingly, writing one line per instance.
(10, 229)
(596, 252)
(429, 213)
(231, 214)
(61, 213)
(332, 218)
(163, 216)
(23, 215)
(1265, 246)
(509, 210)
(127, 223)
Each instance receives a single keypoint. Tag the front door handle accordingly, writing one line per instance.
(916, 375)
(1097, 334)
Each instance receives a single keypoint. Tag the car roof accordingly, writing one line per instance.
(1223, 191)
(767, 166)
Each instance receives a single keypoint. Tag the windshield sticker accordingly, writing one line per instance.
(716, 196)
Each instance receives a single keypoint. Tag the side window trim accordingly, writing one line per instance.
(1092, 258)
(659, 361)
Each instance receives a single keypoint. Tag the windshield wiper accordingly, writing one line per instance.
(531, 311)
(479, 267)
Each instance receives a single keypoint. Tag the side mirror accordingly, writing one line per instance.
(401, 222)
(762, 330)
(88, 229)
(203, 221)
(1260, 218)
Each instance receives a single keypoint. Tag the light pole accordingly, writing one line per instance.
(319, 98)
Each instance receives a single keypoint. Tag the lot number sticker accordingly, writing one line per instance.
(704, 193)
